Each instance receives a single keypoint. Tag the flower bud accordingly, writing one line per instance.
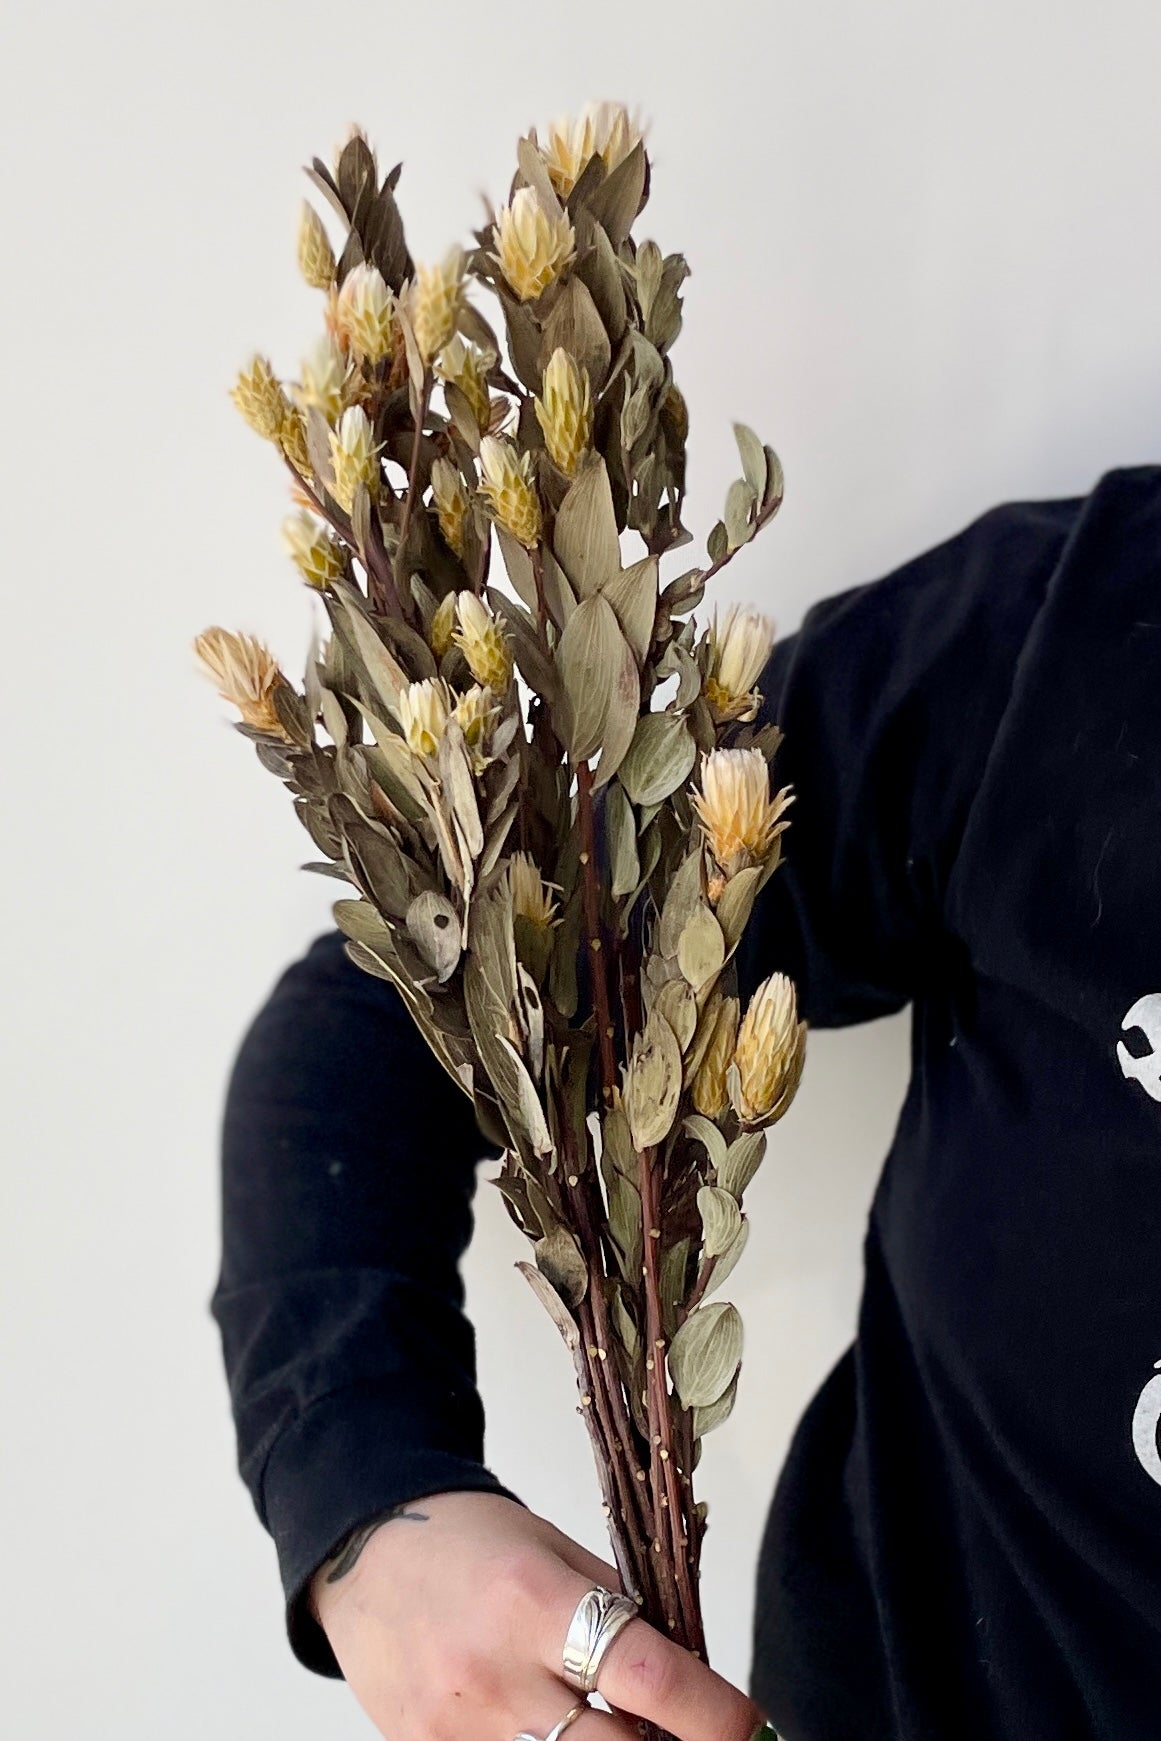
(467, 368)
(259, 397)
(601, 129)
(565, 413)
(423, 713)
(507, 487)
(530, 896)
(769, 1053)
(443, 625)
(708, 1088)
(435, 300)
(316, 554)
(534, 245)
(480, 637)
(292, 441)
(739, 818)
(324, 373)
(450, 495)
(316, 260)
(354, 457)
(476, 713)
(247, 674)
(365, 313)
(738, 652)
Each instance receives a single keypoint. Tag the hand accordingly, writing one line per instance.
(450, 1623)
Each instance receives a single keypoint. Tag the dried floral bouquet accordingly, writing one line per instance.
(554, 859)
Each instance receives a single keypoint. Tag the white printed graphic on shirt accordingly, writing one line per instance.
(1146, 1418)
(1146, 1015)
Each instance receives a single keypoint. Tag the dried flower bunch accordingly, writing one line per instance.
(554, 858)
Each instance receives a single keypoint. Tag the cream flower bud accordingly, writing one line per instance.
(259, 397)
(507, 487)
(443, 625)
(354, 457)
(246, 673)
(324, 373)
(565, 413)
(316, 554)
(292, 440)
(365, 313)
(738, 652)
(476, 712)
(534, 245)
(435, 300)
(450, 495)
(424, 709)
(708, 1088)
(467, 368)
(530, 896)
(769, 1053)
(739, 818)
(316, 260)
(480, 637)
(601, 129)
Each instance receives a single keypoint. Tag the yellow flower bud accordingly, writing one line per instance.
(259, 397)
(316, 554)
(435, 300)
(534, 244)
(246, 673)
(292, 441)
(507, 487)
(530, 896)
(708, 1088)
(467, 368)
(450, 495)
(739, 818)
(480, 637)
(769, 1053)
(316, 260)
(565, 413)
(603, 129)
(324, 374)
(476, 712)
(354, 457)
(423, 713)
(365, 313)
(738, 652)
(443, 625)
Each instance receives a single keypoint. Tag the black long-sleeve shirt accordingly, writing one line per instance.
(965, 1539)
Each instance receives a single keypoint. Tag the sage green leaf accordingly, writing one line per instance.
(653, 1082)
(721, 1219)
(740, 501)
(705, 1419)
(593, 665)
(725, 1263)
(617, 1143)
(462, 416)
(674, 1277)
(616, 202)
(660, 758)
(623, 1325)
(535, 174)
(701, 948)
(473, 326)
(625, 1223)
(623, 712)
(558, 1258)
(718, 543)
(599, 268)
(681, 898)
(460, 788)
(753, 456)
(677, 1003)
(710, 1137)
(575, 326)
(386, 675)
(705, 1353)
(584, 538)
(518, 563)
(632, 592)
(621, 831)
(551, 1301)
(741, 1161)
(526, 1104)
(434, 927)
(736, 902)
(775, 482)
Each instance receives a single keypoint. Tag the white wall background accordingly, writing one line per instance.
(926, 248)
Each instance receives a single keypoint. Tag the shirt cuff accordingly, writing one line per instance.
(337, 1466)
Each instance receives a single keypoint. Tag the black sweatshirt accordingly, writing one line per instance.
(965, 1539)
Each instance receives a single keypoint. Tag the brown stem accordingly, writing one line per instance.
(603, 1457)
(687, 1622)
(592, 903)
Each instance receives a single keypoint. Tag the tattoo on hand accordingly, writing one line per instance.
(354, 1544)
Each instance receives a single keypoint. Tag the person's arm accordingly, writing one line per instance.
(348, 1170)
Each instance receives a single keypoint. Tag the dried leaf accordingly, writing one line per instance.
(705, 1353)
(701, 948)
(736, 902)
(721, 1219)
(584, 538)
(552, 1303)
(660, 758)
(632, 592)
(575, 326)
(558, 1258)
(621, 833)
(710, 1137)
(597, 673)
(434, 927)
(706, 1418)
(741, 1161)
(753, 456)
(653, 1082)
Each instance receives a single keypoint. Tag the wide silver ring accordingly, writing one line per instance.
(558, 1729)
(598, 1617)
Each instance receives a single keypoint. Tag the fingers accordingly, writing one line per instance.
(549, 1700)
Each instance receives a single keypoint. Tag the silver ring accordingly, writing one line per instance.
(558, 1729)
(598, 1617)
